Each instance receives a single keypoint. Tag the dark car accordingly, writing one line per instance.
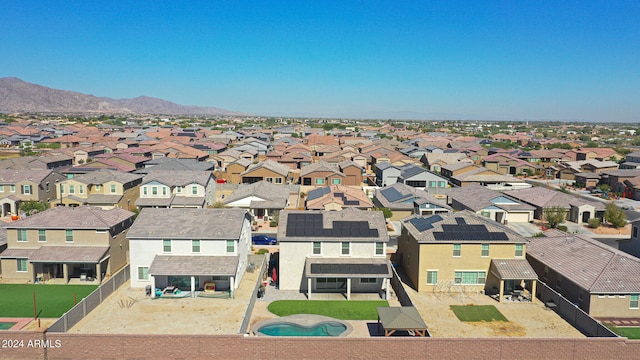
(263, 240)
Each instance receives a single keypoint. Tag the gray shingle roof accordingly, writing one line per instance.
(477, 197)
(80, 217)
(69, 254)
(17, 253)
(196, 265)
(320, 166)
(264, 190)
(514, 269)
(277, 168)
(186, 223)
(102, 176)
(14, 176)
(170, 164)
(178, 178)
(590, 264)
(542, 197)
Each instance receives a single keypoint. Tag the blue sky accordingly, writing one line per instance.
(500, 60)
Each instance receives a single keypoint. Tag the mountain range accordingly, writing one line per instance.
(17, 95)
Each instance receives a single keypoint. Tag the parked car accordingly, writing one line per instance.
(263, 240)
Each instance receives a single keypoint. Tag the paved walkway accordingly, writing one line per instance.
(621, 322)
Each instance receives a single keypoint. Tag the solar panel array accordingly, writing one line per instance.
(363, 269)
(465, 232)
(317, 193)
(393, 195)
(310, 225)
(422, 224)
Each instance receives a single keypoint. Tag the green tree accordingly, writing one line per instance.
(615, 216)
(218, 205)
(554, 215)
(31, 207)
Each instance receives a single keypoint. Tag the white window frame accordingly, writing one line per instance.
(313, 248)
(166, 244)
(22, 235)
(19, 265)
(457, 248)
(42, 235)
(26, 189)
(482, 250)
(342, 248)
(68, 235)
(433, 271)
(145, 269)
(381, 249)
(194, 244)
(231, 246)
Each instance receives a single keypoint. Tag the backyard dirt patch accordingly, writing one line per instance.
(130, 311)
(606, 229)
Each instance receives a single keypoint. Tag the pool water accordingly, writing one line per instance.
(289, 329)
(6, 325)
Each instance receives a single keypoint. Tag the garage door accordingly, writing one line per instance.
(519, 217)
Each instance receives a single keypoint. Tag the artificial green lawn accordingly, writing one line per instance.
(16, 300)
(631, 333)
(343, 310)
(476, 313)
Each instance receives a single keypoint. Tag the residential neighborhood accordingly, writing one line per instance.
(221, 224)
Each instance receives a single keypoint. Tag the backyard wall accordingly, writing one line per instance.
(82, 346)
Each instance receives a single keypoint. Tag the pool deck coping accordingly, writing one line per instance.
(306, 320)
(19, 322)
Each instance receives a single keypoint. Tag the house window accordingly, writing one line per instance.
(26, 189)
(330, 283)
(432, 184)
(166, 245)
(469, 277)
(368, 280)
(81, 189)
(442, 184)
(195, 246)
(194, 190)
(635, 232)
(12, 188)
(154, 190)
(269, 179)
(1, 188)
(231, 246)
(72, 189)
(633, 301)
(457, 250)
(144, 190)
(485, 250)
(379, 248)
(345, 248)
(61, 189)
(317, 248)
(319, 181)
(432, 277)
(98, 187)
(335, 181)
(143, 273)
(278, 180)
(113, 188)
(179, 189)
(42, 235)
(68, 235)
(22, 235)
(519, 250)
(21, 265)
(164, 190)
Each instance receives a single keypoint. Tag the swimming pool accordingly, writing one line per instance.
(6, 325)
(302, 325)
(288, 329)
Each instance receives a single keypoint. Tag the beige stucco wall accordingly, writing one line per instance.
(10, 267)
(57, 238)
(439, 257)
(606, 306)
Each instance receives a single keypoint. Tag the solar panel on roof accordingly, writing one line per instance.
(317, 193)
(310, 225)
(392, 195)
(422, 224)
(460, 221)
(469, 236)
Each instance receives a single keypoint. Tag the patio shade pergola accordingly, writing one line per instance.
(513, 270)
(406, 318)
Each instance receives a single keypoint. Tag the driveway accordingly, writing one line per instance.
(525, 229)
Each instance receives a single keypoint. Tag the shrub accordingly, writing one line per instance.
(262, 251)
(594, 223)
(561, 228)
(273, 223)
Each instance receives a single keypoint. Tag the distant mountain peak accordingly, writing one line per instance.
(17, 95)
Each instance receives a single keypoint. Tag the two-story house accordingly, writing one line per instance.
(172, 189)
(62, 243)
(334, 251)
(462, 252)
(103, 188)
(188, 247)
(17, 186)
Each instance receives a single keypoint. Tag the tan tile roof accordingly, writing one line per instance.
(69, 254)
(514, 269)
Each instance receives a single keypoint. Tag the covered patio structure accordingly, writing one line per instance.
(512, 280)
(404, 318)
(336, 275)
(65, 262)
(189, 273)
(9, 205)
